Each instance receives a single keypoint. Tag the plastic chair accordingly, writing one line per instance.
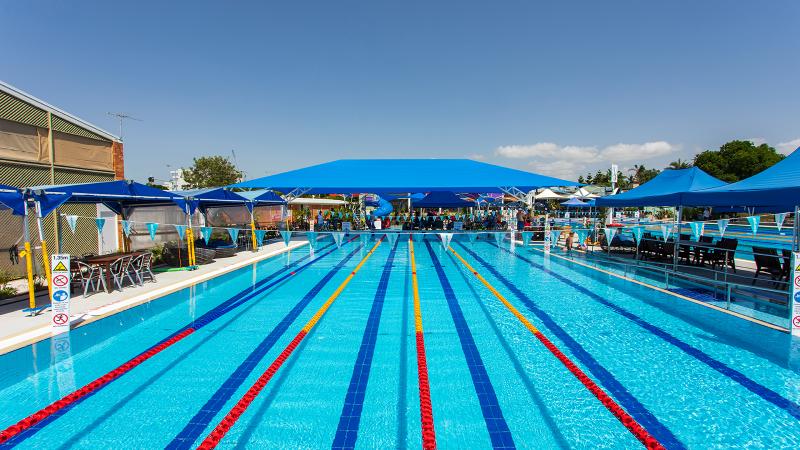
(119, 270)
(142, 268)
(88, 276)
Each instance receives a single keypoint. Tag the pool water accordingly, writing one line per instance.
(691, 376)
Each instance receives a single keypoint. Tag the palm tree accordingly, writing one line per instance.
(679, 164)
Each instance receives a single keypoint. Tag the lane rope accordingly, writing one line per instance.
(36, 421)
(627, 421)
(425, 407)
(222, 428)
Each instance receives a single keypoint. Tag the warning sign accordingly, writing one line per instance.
(60, 300)
(794, 308)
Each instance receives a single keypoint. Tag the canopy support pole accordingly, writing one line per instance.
(27, 254)
(676, 249)
(253, 231)
(514, 192)
(45, 257)
(295, 193)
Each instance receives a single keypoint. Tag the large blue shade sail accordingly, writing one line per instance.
(213, 198)
(11, 198)
(666, 189)
(441, 199)
(777, 187)
(575, 203)
(352, 176)
(263, 197)
(116, 195)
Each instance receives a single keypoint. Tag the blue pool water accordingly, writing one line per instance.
(693, 377)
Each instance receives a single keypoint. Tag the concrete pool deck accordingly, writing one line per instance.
(19, 330)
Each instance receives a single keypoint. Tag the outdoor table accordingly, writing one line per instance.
(105, 261)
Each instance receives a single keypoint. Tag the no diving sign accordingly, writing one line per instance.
(59, 303)
(794, 309)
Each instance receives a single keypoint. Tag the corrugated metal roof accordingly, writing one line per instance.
(33, 112)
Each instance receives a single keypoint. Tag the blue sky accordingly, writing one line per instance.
(552, 87)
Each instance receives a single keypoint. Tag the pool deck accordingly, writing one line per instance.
(19, 329)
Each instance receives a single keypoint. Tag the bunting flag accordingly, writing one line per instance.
(100, 222)
(637, 234)
(526, 237)
(181, 229)
(126, 227)
(554, 234)
(779, 219)
(206, 233)
(364, 238)
(392, 238)
(722, 224)
(498, 237)
(446, 238)
(234, 234)
(312, 238)
(582, 235)
(666, 230)
(610, 232)
(72, 221)
(697, 229)
(472, 237)
(337, 237)
(754, 221)
(287, 236)
(260, 237)
(152, 227)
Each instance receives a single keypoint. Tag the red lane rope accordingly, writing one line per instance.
(425, 407)
(65, 402)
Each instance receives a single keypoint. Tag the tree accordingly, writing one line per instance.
(737, 160)
(641, 175)
(679, 164)
(211, 171)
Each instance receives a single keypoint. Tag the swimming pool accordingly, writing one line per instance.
(354, 376)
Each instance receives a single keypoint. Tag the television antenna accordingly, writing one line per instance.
(122, 116)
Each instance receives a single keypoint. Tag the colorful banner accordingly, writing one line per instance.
(754, 221)
(100, 222)
(446, 238)
(260, 237)
(126, 227)
(206, 233)
(152, 227)
(547, 237)
(338, 236)
(722, 225)
(697, 229)
(181, 229)
(779, 219)
(234, 234)
(72, 221)
(287, 236)
(526, 237)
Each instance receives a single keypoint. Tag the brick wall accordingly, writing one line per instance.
(119, 160)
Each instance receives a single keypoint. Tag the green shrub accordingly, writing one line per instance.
(6, 290)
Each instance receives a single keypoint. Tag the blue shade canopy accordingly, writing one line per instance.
(441, 199)
(263, 197)
(213, 198)
(12, 198)
(777, 187)
(575, 203)
(116, 195)
(666, 189)
(351, 176)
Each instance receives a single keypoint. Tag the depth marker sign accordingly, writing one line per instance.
(59, 303)
(794, 303)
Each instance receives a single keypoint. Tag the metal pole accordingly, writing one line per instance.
(253, 231)
(45, 257)
(677, 240)
(26, 253)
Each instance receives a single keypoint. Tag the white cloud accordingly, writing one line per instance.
(788, 147)
(477, 156)
(637, 152)
(560, 168)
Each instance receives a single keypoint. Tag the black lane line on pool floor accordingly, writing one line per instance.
(490, 407)
(196, 425)
(631, 404)
(208, 317)
(350, 418)
(751, 385)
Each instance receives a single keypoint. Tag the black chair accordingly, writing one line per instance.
(766, 260)
(702, 251)
(724, 252)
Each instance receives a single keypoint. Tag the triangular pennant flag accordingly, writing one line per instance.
(234, 234)
(100, 222)
(446, 238)
(364, 238)
(697, 229)
(312, 238)
(554, 234)
(779, 219)
(665, 232)
(337, 237)
(72, 221)
(526, 237)
(126, 227)
(392, 238)
(498, 237)
(181, 229)
(152, 227)
(206, 233)
(637, 234)
(722, 224)
(472, 237)
(260, 237)
(582, 235)
(610, 232)
(754, 221)
(287, 236)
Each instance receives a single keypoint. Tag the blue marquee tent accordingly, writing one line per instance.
(777, 187)
(441, 199)
(12, 198)
(263, 197)
(575, 203)
(666, 189)
(352, 176)
(116, 195)
(213, 198)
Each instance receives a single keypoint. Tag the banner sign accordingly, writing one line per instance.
(795, 300)
(547, 237)
(59, 267)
